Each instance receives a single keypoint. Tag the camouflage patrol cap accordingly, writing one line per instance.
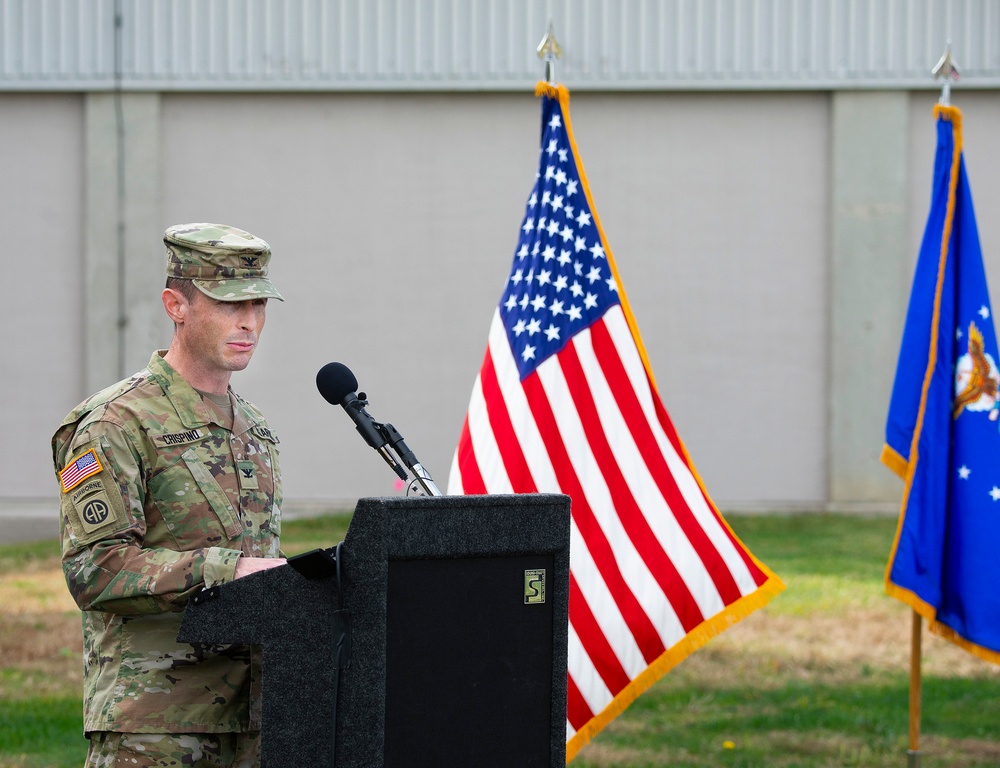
(223, 262)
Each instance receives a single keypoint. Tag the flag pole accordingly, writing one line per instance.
(913, 753)
(549, 50)
(945, 69)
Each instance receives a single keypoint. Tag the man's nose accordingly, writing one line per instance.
(247, 316)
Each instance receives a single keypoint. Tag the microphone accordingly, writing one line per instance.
(335, 381)
(338, 385)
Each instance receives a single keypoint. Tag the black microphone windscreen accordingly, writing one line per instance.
(335, 382)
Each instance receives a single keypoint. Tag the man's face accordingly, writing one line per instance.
(222, 335)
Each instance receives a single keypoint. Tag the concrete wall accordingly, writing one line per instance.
(766, 242)
(41, 199)
(400, 216)
(715, 207)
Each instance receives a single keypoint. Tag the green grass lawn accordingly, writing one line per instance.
(809, 680)
(817, 678)
(40, 732)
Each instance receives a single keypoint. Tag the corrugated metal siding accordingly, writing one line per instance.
(490, 44)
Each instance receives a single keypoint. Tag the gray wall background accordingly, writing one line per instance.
(766, 242)
(762, 171)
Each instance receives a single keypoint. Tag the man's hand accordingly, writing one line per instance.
(247, 565)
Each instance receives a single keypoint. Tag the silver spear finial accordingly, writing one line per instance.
(549, 50)
(946, 68)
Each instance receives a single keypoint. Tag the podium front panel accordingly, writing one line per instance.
(469, 662)
(459, 609)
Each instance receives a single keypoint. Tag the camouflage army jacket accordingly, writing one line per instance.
(160, 495)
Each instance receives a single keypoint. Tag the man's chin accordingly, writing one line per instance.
(239, 361)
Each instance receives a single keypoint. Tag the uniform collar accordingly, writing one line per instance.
(191, 409)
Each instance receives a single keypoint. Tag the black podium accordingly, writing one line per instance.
(435, 635)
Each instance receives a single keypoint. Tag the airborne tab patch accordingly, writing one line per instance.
(78, 470)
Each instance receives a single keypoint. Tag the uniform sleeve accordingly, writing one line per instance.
(106, 561)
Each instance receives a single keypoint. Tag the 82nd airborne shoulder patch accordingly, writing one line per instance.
(91, 509)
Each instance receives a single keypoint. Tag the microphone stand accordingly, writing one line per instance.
(420, 475)
(383, 437)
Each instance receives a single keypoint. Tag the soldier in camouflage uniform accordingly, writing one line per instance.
(170, 483)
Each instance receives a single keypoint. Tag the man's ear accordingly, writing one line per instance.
(175, 304)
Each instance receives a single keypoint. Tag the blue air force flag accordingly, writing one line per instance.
(943, 428)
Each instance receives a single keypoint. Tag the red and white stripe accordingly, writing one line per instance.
(651, 559)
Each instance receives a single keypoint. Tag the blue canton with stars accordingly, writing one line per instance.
(561, 281)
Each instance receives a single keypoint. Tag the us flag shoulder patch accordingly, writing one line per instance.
(78, 470)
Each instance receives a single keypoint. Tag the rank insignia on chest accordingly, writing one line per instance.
(247, 471)
(79, 469)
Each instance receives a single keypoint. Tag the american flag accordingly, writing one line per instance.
(565, 403)
(80, 469)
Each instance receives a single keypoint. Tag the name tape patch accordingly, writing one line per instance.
(178, 438)
(83, 466)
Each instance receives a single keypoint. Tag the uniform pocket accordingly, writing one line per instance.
(213, 493)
